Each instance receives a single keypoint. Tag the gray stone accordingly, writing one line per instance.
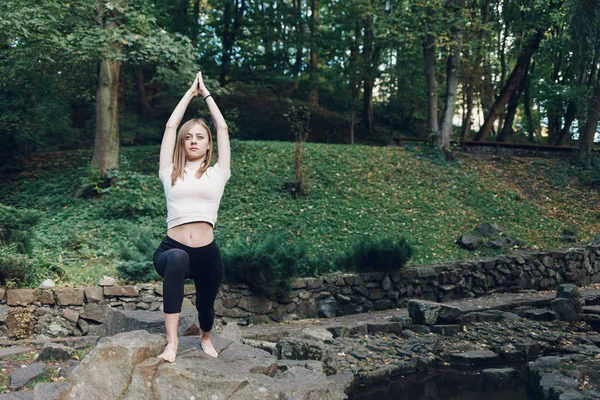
(107, 281)
(23, 297)
(152, 321)
(112, 361)
(232, 332)
(567, 309)
(423, 312)
(317, 333)
(70, 314)
(568, 291)
(55, 352)
(469, 241)
(69, 296)
(256, 303)
(53, 326)
(448, 314)
(327, 308)
(480, 358)
(94, 294)
(95, 312)
(121, 291)
(488, 229)
(48, 391)
(3, 313)
(47, 284)
(13, 351)
(300, 349)
(20, 377)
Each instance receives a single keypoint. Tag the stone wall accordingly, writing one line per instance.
(81, 310)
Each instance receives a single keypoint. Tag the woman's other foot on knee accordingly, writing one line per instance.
(169, 353)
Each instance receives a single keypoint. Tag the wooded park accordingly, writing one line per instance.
(87, 86)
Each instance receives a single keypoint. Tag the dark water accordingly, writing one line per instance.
(446, 384)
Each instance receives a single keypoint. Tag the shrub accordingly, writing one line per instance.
(133, 195)
(377, 255)
(267, 267)
(16, 227)
(15, 268)
(137, 265)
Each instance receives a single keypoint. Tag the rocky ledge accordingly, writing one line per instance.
(502, 336)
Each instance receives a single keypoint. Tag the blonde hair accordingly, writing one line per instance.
(179, 156)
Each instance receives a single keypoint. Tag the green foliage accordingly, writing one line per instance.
(16, 227)
(137, 253)
(268, 266)
(377, 255)
(14, 266)
(133, 195)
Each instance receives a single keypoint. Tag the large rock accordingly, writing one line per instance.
(20, 297)
(423, 311)
(567, 305)
(69, 296)
(21, 376)
(48, 391)
(469, 241)
(107, 370)
(118, 321)
(488, 229)
(55, 352)
(95, 312)
(127, 361)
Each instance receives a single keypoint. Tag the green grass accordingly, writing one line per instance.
(353, 191)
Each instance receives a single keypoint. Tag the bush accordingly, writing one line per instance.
(268, 267)
(377, 255)
(134, 195)
(15, 268)
(137, 265)
(16, 227)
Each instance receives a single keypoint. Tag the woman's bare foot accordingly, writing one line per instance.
(208, 347)
(169, 353)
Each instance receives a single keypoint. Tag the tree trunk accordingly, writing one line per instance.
(314, 61)
(527, 105)
(507, 131)
(432, 92)
(195, 28)
(565, 132)
(354, 76)
(586, 138)
(143, 101)
(230, 30)
(368, 78)
(466, 131)
(510, 85)
(106, 144)
(299, 41)
(453, 67)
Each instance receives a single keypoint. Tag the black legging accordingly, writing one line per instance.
(176, 262)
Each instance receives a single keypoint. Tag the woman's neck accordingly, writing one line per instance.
(196, 164)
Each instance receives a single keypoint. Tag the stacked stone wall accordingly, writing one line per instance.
(81, 310)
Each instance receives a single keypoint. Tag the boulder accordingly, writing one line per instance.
(488, 229)
(107, 370)
(55, 352)
(118, 321)
(469, 241)
(128, 361)
(423, 311)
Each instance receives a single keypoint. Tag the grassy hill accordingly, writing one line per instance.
(354, 191)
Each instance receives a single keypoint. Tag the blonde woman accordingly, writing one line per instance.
(193, 190)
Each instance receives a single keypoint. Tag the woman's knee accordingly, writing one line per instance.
(178, 262)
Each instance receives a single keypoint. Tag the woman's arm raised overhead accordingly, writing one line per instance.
(167, 146)
(220, 125)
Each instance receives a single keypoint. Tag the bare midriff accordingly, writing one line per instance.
(193, 234)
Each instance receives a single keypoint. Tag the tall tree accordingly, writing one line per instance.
(314, 57)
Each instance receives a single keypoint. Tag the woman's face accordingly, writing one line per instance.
(196, 143)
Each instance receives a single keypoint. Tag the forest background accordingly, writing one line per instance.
(86, 87)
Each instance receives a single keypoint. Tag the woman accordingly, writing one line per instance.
(193, 190)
